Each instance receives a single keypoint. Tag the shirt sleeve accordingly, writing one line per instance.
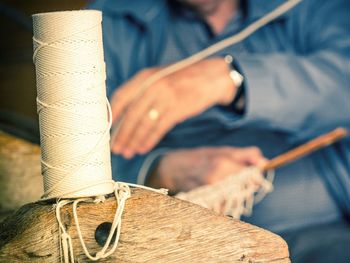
(302, 94)
(334, 162)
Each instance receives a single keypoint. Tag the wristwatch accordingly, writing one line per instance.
(236, 77)
(238, 80)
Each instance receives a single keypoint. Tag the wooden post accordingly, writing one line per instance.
(155, 228)
(20, 178)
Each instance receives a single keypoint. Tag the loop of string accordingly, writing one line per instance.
(122, 193)
(65, 240)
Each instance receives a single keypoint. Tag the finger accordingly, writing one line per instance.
(121, 99)
(221, 169)
(131, 119)
(157, 98)
(166, 123)
(219, 175)
(125, 94)
(145, 128)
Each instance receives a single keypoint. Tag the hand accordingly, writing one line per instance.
(184, 170)
(173, 99)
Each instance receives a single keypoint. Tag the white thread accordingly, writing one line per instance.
(163, 191)
(65, 240)
(74, 114)
(235, 195)
(266, 188)
(122, 193)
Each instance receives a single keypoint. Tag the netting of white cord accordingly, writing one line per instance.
(235, 195)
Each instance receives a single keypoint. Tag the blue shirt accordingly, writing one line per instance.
(297, 86)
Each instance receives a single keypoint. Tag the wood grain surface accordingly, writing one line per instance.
(20, 176)
(155, 228)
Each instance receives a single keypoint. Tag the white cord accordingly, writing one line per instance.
(235, 195)
(121, 192)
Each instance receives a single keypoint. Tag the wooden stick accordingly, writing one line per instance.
(304, 149)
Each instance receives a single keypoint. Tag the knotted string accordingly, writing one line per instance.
(122, 193)
(235, 195)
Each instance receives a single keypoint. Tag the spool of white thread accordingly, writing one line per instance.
(72, 105)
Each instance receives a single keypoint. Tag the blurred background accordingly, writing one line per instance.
(20, 176)
(17, 75)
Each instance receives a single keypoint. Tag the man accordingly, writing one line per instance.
(296, 86)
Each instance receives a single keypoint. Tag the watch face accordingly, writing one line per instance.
(236, 77)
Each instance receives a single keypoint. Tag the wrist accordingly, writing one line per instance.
(157, 178)
(227, 86)
(153, 179)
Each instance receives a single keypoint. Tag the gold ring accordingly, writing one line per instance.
(153, 114)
